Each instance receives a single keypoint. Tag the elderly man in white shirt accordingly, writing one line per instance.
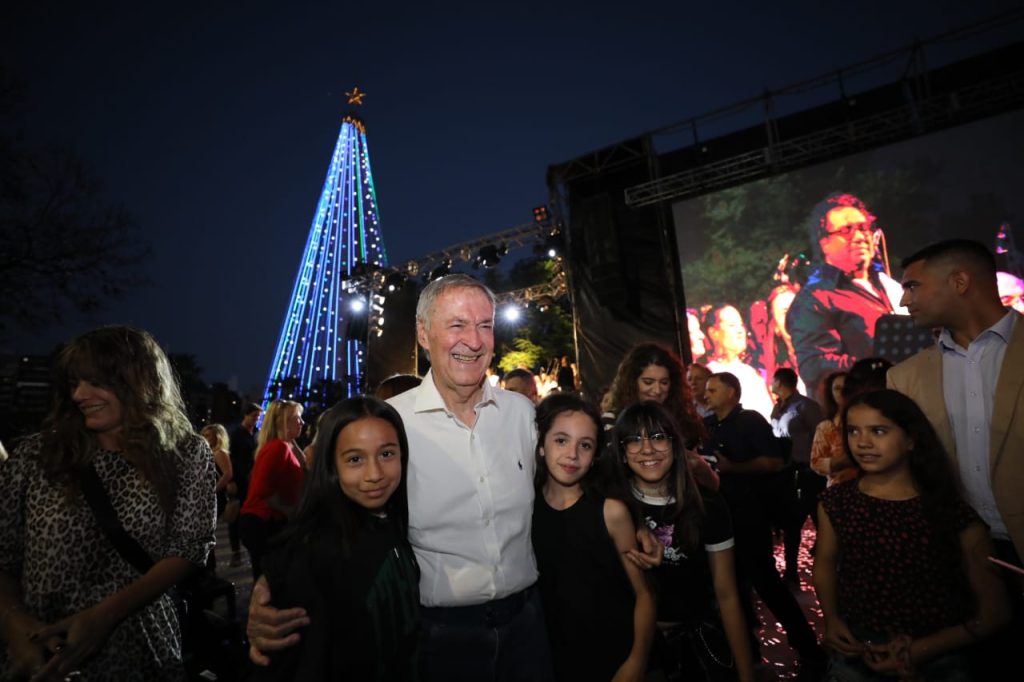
(471, 464)
(471, 498)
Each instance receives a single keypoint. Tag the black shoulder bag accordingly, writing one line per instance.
(196, 632)
(127, 546)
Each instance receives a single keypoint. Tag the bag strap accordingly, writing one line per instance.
(127, 546)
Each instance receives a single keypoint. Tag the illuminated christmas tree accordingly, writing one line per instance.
(320, 353)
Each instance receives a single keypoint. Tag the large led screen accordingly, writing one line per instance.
(797, 270)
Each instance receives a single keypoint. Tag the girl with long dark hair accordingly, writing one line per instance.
(597, 605)
(901, 566)
(345, 557)
(699, 613)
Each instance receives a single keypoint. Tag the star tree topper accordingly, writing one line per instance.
(355, 96)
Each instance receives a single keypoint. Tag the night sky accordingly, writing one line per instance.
(213, 123)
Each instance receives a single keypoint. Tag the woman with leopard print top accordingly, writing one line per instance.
(68, 600)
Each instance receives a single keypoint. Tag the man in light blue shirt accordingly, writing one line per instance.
(971, 387)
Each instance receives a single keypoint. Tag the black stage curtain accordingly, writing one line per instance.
(623, 275)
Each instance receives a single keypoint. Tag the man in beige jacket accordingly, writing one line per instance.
(970, 384)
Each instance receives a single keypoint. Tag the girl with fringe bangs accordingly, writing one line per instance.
(649, 371)
(703, 633)
(598, 608)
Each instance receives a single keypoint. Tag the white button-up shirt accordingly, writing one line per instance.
(969, 377)
(470, 495)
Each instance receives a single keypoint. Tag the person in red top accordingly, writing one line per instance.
(276, 482)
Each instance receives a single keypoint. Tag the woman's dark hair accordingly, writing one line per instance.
(831, 406)
(936, 480)
(323, 503)
(679, 401)
(547, 411)
(130, 363)
(649, 417)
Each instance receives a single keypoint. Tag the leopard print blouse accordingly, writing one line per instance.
(65, 563)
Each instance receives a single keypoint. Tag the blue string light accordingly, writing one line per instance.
(313, 351)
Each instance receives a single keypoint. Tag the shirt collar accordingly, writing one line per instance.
(735, 411)
(1002, 329)
(428, 398)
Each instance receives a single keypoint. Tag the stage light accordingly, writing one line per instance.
(357, 305)
(540, 214)
(488, 256)
(441, 270)
(511, 313)
(554, 245)
(394, 281)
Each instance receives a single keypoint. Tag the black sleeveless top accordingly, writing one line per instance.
(588, 600)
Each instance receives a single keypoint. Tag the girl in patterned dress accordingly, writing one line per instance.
(901, 567)
(598, 609)
(68, 600)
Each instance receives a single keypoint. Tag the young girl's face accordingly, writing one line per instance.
(650, 458)
(369, 462)
(569, 447)
(876, 442)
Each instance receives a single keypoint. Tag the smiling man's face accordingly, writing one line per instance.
(459, 335)
(848, 244)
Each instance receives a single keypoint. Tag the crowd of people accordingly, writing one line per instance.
(449, 528)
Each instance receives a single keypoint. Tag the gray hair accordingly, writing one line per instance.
(439, 286)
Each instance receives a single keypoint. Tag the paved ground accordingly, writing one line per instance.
(777, 658)
(240, 575)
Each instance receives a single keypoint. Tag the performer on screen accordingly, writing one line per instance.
(1011, 290)
(730, 353)
(832, 319)
(698, 340)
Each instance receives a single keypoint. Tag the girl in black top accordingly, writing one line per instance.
(345, 557)
(695, 585)
(597, 606)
